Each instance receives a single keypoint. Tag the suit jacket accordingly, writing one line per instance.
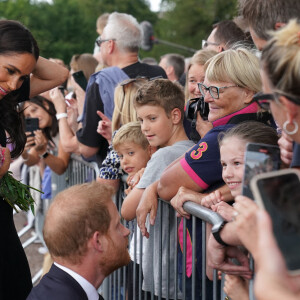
(57, 285)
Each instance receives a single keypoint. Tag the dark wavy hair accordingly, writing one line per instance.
(51, 131)
(15, 39)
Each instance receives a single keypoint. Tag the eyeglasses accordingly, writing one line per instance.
(263, 100)
(99, 41)
(206, 43)
(214, 91)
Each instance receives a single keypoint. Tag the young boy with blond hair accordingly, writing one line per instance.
(132, 147)
(134, 151)
(160, 109)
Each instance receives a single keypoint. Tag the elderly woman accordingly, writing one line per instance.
(231, 79)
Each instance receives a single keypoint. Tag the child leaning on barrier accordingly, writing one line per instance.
(134, 152)
(160, 107)
(232, 150)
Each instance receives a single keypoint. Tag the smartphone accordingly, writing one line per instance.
(80, 79)
(278, 193)
(259, 158)
(31, 124)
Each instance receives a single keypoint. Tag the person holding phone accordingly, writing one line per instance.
(82, 67)
(280, 77)
(232, 151)
(23, 74)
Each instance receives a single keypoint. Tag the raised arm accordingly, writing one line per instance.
(69, 141)
(172, 179)
(46, 75)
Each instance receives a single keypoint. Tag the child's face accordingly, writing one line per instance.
(155, 125)
(133, 157)
(232, 160)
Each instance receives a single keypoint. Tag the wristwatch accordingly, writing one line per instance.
(216, 233)
(44, 155)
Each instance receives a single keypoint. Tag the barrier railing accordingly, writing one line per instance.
(171, 281)
(78, 171)
(182, 286)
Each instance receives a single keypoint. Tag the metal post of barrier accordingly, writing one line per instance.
(160, 277)
(203, 260)
(167, 208)
(176, 255)
(140, 266)
(194, 258)
(184, 260)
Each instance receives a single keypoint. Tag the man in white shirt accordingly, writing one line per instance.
(86, 241)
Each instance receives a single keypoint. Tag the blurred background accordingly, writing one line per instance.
(65, 27)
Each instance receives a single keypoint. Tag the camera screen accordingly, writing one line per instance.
(259, 159)
(281, 198)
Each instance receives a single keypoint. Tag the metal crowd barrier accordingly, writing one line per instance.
(78, 171)
(115, 286)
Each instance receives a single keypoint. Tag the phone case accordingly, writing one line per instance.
(31, 124)
(80, 79)
(259, 158)
(278, 192)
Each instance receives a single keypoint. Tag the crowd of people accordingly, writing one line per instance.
(132, 118)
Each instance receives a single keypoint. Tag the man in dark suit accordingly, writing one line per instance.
(86, 241)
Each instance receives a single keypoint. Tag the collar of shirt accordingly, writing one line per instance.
(89, 289)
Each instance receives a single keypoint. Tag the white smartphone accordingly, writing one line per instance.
(278, 193)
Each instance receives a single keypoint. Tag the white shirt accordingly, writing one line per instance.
(89, 289)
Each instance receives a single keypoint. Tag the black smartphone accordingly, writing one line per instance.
(80, 79)
(279, 193)
(31, 124)
(259, 158)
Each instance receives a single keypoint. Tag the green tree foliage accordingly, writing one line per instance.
(66, 27)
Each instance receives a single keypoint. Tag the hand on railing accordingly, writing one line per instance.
(212, 199)
(181, 197)
(225, 210)
(148, 204)
(246, 223)
(218, 257)
(236, 287)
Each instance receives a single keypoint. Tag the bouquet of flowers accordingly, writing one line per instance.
(16, 194)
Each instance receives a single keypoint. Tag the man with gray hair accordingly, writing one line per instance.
(173, 64)
(119, 46)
